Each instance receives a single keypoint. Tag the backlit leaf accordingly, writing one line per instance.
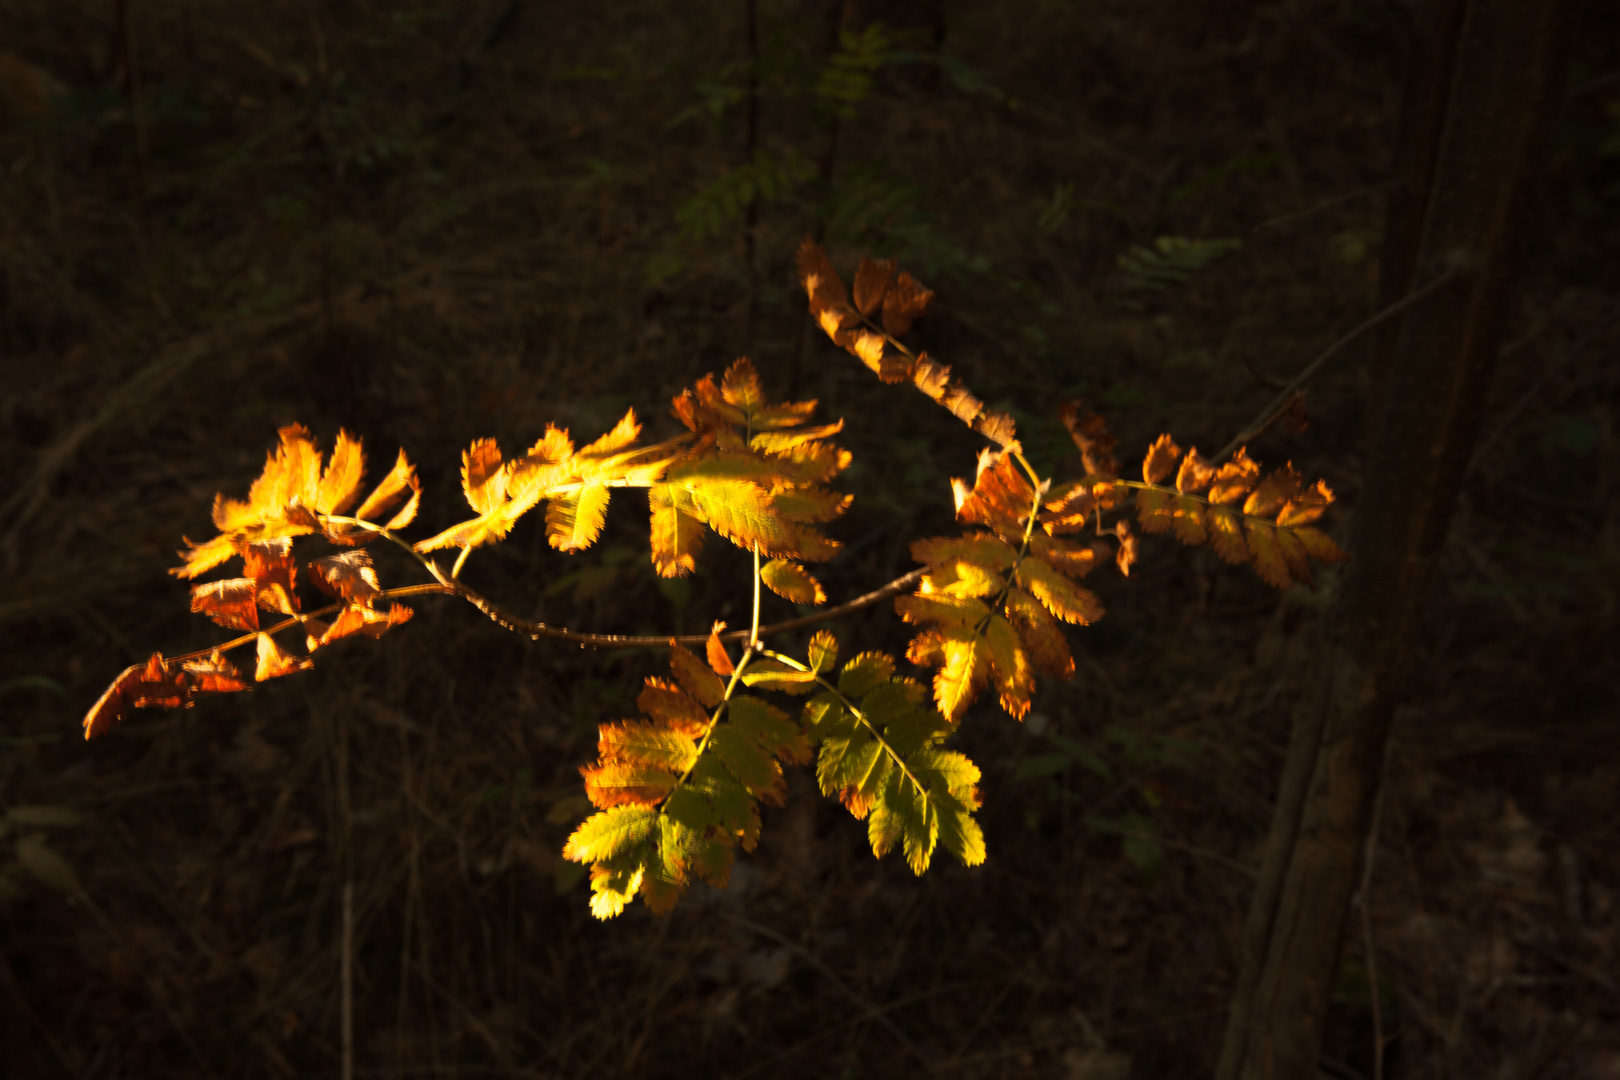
(1161, 460)
(792, 582)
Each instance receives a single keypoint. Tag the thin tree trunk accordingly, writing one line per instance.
(1504, 92)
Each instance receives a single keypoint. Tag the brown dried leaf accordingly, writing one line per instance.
(904, 303)
(215, 675)
(871, 283)
(274, 574)
(1090, 433)
(1153, 510)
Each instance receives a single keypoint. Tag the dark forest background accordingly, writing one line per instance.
(427, 222)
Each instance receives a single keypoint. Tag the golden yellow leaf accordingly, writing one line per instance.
(1226, 534)
(574, 521)
(340, 483)
(1062, 597)
(792, 582)
(1015, 683)
(1268, 557)
(1153, 510)
(1188, 514)
(625, 432)
(1273, 492)
(965, 671)
(483, 478)
(677, 532)
(1307, 506)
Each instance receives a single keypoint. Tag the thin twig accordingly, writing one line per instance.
(1273, 410)
(539, 630)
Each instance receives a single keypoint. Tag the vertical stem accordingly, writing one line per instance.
(753, 633)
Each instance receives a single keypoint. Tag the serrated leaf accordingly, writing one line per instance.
(865, 673)
(1040, 635)
(1273, 492)
(1062, 597)
(1153, 510)
(792, 582)
(941, 609)
(965, 670)
(1188, 520)
(673, 707)
(677, 532)
(823, 651)
(649, 744)
(1226, 535)
(772, 675)
(1235, 479)
(1010, 667)
(748, 762)
(1161, 460)
(872, 280)
(626, 783)
(769, 727)
(231, 603)
(574, 521)
(980, 548)
(1269, 562)
(851, 768)
(347, 575)
(1318, 544)
(483, 478)
(1195, 473)
(695, 677)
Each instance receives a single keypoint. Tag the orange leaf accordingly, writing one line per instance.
(231, 603)
(1062, 597)
(1071, 559)
(1009, 665)
(274, 574)
(623, 783)
(214, 675)
(695, 677)
(625, 432)
(1195, 473)
(669, 704)
(1233, 480)
(347, 575)
(1307, 506)
(1274, 492)
(1125, 558)
(1040, 635)
(340, 483)
(820, 280)
(719, 662)
(273, 663)
(1160, 461)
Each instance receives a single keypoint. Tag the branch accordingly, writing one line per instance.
(538, 630)
(1280, 402)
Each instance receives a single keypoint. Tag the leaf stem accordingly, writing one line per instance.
(855, 711)
(301, 617)
(714, 720)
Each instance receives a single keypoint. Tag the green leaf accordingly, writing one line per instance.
(746, 760)
(823, 651)
(865, 673)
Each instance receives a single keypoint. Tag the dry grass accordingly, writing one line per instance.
(426, 225)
